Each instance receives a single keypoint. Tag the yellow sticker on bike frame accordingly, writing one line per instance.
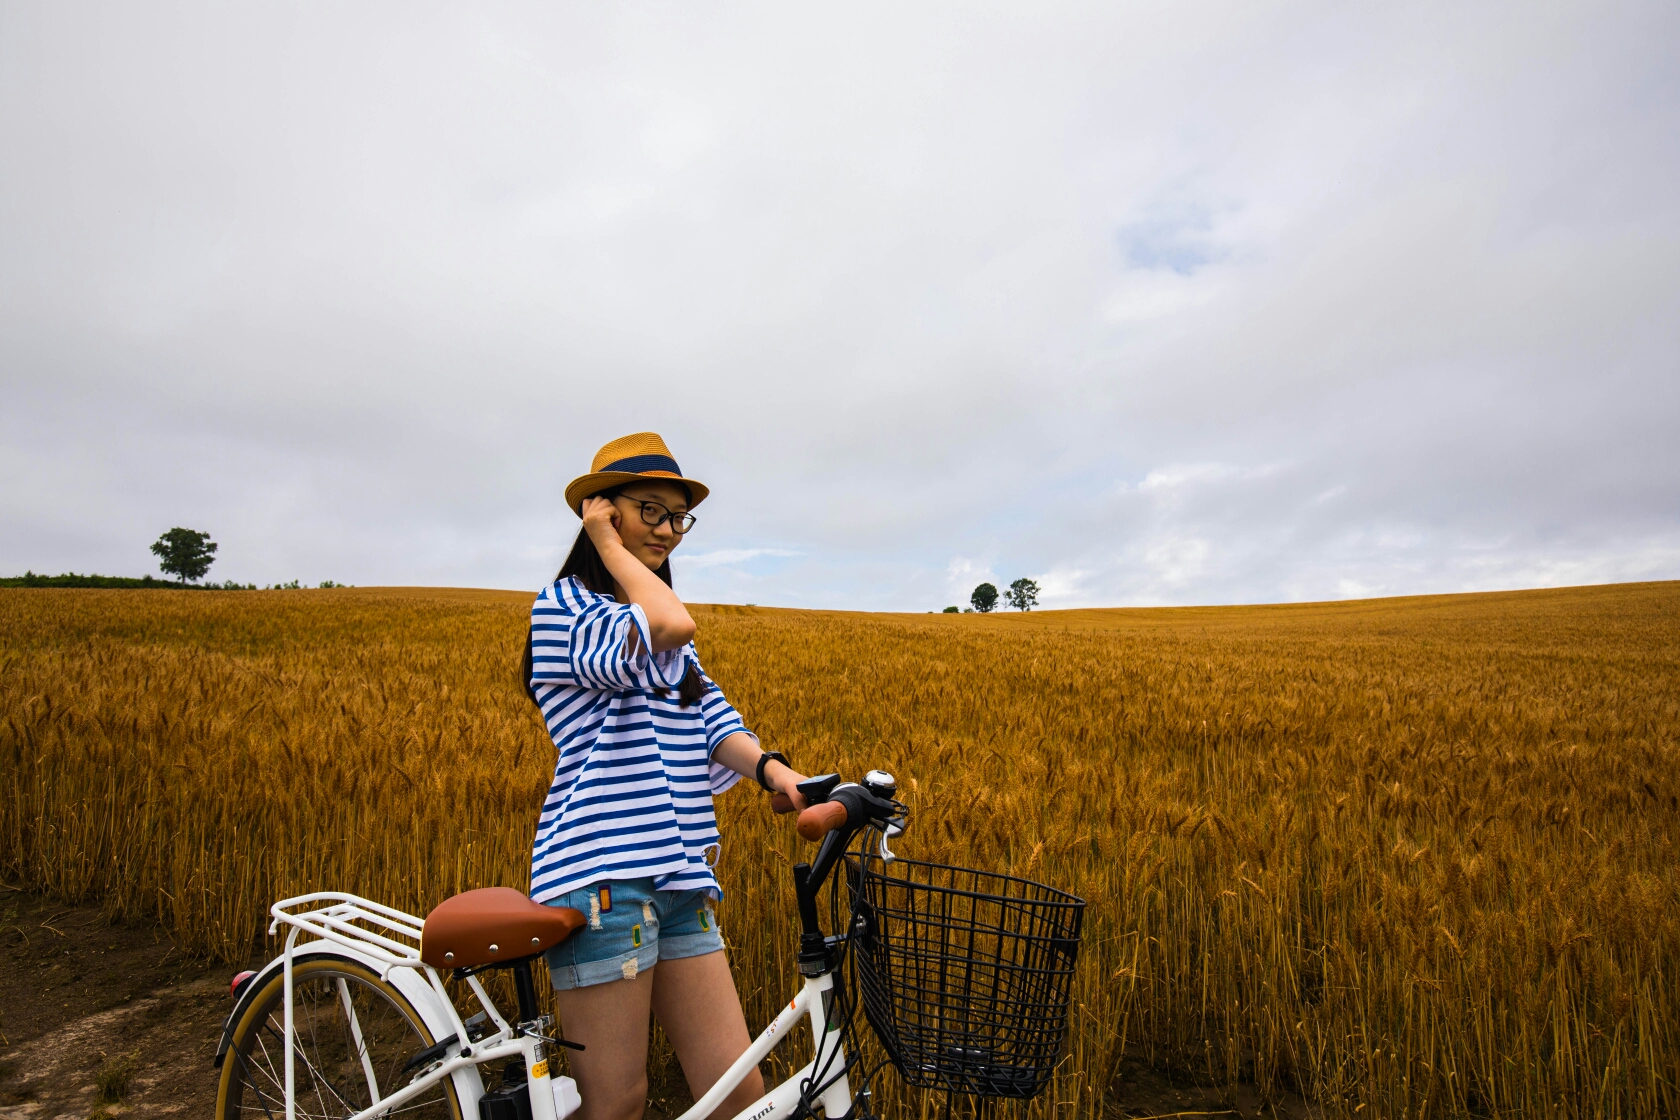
(540, 1070)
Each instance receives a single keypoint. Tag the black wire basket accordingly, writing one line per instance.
(964, 975)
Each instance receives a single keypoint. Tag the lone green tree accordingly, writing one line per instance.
(984, 598)
(1022, 594)
(185, 553)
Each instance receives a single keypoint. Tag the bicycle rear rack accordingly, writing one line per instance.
(355, 923)
(389, 938)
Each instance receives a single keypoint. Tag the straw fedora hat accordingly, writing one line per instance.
(632, 458)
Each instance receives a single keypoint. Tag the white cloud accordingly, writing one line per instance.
(962, 576)
(1139, 297)
(727, 557)
(1060, 588)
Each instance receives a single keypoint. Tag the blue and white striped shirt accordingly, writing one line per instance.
(632, 790)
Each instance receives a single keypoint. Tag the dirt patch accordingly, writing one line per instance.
(1139, 1093)
(81, 997)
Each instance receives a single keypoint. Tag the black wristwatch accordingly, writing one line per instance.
(766, 757)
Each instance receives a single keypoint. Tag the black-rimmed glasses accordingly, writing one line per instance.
(655, 514)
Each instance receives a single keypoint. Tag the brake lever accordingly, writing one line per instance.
(566, 1042)
(892, 827)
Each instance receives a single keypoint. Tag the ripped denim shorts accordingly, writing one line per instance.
(631, 928)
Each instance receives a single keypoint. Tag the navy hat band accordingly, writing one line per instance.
(641, 464)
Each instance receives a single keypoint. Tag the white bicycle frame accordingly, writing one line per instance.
(388, 942)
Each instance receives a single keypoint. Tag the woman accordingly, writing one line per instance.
(627, 834)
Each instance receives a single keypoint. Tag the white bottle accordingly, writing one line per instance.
(566, 1099)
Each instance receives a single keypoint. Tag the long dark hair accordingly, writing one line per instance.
(585, 563)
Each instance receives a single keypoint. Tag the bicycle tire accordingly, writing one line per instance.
(330, 1078)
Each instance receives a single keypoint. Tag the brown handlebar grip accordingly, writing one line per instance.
(820, 820)
(781, 803)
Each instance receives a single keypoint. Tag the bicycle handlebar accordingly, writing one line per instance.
(833, 805)
(820, 820)
(836, 811)
(849, 806)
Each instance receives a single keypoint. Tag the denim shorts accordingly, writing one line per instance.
(631, 927)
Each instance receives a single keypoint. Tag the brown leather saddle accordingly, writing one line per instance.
(493, 925)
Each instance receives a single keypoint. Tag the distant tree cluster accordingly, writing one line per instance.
(71, 579)
(185, 553)
(1022, 595)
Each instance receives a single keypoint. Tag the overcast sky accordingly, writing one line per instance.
(1154, 303)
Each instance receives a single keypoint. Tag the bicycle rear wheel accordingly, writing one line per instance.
(336, 1001)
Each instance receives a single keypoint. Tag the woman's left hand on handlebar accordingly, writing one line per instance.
(742, 754)
(785, 780)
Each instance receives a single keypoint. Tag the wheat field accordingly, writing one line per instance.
(1408, 858)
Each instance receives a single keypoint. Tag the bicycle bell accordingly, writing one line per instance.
(880, 783)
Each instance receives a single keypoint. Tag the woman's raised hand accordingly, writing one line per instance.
(600, 520)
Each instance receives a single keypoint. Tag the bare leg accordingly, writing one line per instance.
(695, 1000)
(610, 1019)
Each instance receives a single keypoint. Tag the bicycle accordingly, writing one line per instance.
(963, 976)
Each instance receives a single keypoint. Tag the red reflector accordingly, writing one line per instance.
(239, 982)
